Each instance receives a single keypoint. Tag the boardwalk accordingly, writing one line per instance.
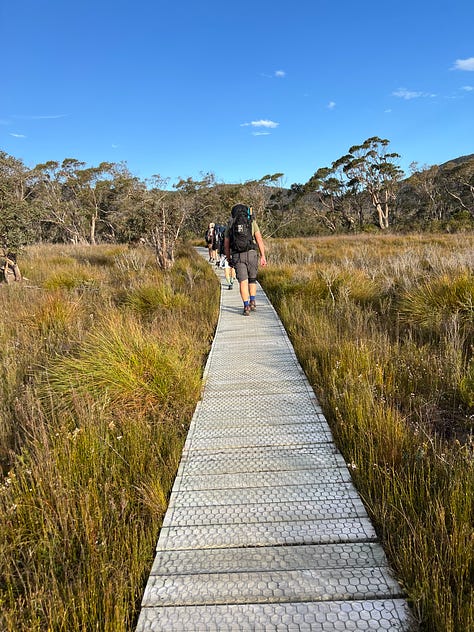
(265, 530)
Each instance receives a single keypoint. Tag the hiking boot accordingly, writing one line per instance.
(253, 306)
(246, 311)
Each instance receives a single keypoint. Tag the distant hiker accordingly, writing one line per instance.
(220, 231)
(9, 268)
(211, 241)
(242, 238)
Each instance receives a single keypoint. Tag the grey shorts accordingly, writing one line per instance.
(245, 264)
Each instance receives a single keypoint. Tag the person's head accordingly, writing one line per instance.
(241, 208)
(211, 225)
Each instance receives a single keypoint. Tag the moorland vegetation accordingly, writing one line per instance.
(101, 358)
(384, 328)
(103, 343)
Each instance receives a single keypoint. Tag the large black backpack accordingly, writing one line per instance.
(240, 233)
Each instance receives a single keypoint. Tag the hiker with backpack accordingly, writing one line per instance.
(211, 242)
(241, 241)
(220, 230)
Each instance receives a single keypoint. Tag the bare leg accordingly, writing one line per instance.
(244, 290)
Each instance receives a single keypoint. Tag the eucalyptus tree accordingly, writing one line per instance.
(372, 167)
(423, 192)
(203, 201)
(336, 194)
(257, 193)
(166, 213)
(90, 189)
(62, 217)
(457, 180)
(18, 212)
(75, 198)
(271, 203)
(121, 217)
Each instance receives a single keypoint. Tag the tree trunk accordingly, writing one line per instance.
(92, 229)
(382, 209)
(164, 249)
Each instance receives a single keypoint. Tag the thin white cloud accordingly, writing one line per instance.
(37, 117)
(464, 64)
(403, 93)
(468, 88)
(114, 146)
(260, 133)
(279, 74)
(261, 123)
(17, 135)
(387, 111)
(53, 116)
(331, 105)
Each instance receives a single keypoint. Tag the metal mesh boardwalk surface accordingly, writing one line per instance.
(264, 529)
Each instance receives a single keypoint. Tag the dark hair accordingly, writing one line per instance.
(240, 208)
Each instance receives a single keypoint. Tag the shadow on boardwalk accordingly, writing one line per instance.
(265, 530)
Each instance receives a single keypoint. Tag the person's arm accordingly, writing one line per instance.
(227, 248)
(261, 247)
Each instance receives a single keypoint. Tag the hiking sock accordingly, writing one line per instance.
(252, 298)
(246, 303)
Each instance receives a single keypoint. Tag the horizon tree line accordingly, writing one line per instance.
(70, 202)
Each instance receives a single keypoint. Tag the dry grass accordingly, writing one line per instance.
(385, 330)
(98, 389)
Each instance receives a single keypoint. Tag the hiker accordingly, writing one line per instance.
(242, 238)
(220, 230)
(211, 241)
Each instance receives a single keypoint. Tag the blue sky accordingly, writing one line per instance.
(239, 89)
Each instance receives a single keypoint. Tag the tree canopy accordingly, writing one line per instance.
(363, 189)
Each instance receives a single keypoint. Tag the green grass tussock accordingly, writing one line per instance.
(433, 303)
(148, 299)
(129, 366)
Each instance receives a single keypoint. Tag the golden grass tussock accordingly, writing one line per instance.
(92, 422)
(383, 327)
(148, 299)
(132, 367)
(433, 303)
